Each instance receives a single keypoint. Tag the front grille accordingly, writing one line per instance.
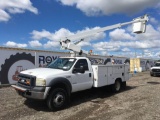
(26, 80)
(156, 70)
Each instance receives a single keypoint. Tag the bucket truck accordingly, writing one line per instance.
(67, 75)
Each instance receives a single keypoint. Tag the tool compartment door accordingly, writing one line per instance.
(100, 75)
(126, 73)
(110, 75)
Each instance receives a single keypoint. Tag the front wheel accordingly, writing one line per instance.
(116, 87)
(57, 99)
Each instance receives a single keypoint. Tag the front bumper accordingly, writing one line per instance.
(155, 73)
(39, 93)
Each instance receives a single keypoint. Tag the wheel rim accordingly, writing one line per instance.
(117, 85)
(58, 99)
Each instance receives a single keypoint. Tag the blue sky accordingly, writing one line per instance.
(40, 24)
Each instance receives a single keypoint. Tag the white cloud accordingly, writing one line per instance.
(39, 35)
(108, 7)
(35, 44)
(138, 44)
(157, 54)
(13, 44)
(105, 46)
(84, 44)
(52, 44)
(126, 50)
(120, 34)
(4, 16)
(100, 46)
(8, 7)
(153, 20)
(125, 46)
(146, 51)
(148, 54)
(15, 10)
(68, 2)
(158, 5)
(104, 53)
(61, 33)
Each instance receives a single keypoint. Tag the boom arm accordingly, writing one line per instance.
(139, 26)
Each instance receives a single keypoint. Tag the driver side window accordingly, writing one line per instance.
(81, 62)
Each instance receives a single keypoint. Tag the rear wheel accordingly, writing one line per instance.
(57, 99)
(116, 87)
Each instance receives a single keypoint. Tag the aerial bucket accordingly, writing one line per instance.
(140, 26)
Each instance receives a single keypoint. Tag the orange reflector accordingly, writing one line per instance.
(28, 82)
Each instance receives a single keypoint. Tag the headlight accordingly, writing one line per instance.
(40, 82)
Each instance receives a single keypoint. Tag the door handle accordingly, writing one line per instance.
(90, 74)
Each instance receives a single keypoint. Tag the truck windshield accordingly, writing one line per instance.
(62, 63)
(157, 65)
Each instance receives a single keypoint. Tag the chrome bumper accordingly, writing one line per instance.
(39, 95)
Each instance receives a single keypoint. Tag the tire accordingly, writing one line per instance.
(116, 87)
(57, 99)
(154, 75)
(151, 74)
(9, 62)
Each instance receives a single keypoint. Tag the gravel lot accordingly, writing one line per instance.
(140, 101)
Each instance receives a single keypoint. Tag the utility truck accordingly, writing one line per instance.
(67, 75)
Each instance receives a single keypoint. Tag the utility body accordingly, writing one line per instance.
(67, 75)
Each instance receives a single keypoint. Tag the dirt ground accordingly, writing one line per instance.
(140, 101)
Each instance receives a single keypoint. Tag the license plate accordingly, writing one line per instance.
(20, 93)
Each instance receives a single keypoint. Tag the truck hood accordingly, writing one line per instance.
(155, 68)
(43, 72)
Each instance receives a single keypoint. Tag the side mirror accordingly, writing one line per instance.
(74, 70)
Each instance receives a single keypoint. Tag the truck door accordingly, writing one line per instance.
(83, 80)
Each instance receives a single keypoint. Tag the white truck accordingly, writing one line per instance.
(155, 70)
(67, 75)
